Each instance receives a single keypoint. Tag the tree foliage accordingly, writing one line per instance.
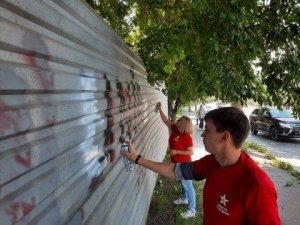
(210, 48)
(280, 57)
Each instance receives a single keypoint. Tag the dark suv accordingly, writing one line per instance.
(277, 123)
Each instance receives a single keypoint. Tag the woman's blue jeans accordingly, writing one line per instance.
(188, 192)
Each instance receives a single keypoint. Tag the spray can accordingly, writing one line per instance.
(157, 107)
(128, 164)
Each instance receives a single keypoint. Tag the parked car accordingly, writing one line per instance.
(277, 123)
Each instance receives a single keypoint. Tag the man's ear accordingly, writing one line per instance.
(226, 136)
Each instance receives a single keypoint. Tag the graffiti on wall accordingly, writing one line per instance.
(16, 122)
(68, 91)
(129, 98)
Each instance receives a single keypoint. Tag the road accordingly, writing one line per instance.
(287, 150)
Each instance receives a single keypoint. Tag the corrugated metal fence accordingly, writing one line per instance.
(69, 89)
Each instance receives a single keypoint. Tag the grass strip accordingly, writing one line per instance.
(162, 211)
(275, 162)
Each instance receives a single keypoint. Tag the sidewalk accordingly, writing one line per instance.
(288, 197)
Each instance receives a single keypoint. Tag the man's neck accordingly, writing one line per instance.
(228, 157)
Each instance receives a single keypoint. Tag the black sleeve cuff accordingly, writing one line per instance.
(185, 171)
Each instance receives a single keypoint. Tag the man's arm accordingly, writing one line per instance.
(164, 169)
(262, 212)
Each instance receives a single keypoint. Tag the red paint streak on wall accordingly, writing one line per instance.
(127, 96)
(46, 81)
(110, 119)
(111, 154)
(96, 181)
(24, 160)
(26, 207)
(6, 122)
(110, 138)
(109, 133)
(123, 93)
(82, 212)
(19, 209)
(110, 101)
(51, 121)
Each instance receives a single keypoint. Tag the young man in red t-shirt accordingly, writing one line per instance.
(237, 191)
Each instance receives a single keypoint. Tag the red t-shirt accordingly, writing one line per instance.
(180, 142)
(237, 195)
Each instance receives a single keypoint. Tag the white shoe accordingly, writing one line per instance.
(188, 214)
(180, 201)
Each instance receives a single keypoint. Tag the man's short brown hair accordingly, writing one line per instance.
(232, 120)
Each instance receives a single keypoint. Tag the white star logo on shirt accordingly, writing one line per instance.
(223, 199)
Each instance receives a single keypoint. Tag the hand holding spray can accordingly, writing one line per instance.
(157, 107)
(128, 164)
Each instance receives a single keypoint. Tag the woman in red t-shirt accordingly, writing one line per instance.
(181, 147)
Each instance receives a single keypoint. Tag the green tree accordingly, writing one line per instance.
(209, 48)
(279, 35)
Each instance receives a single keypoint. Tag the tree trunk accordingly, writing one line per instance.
(190, 107)
(173, 118)
(195, 106)
(173, 109)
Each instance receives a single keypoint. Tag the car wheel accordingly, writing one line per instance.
(274, 133)
(252, 129)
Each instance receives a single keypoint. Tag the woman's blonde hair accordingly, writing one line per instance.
(185, 125)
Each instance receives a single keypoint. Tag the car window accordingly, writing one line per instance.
(281, 113)
(261, 112)
(266, 112)
(256, 112)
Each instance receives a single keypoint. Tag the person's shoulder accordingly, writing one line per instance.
(254, 173)
(205, 165)
(208, 159)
